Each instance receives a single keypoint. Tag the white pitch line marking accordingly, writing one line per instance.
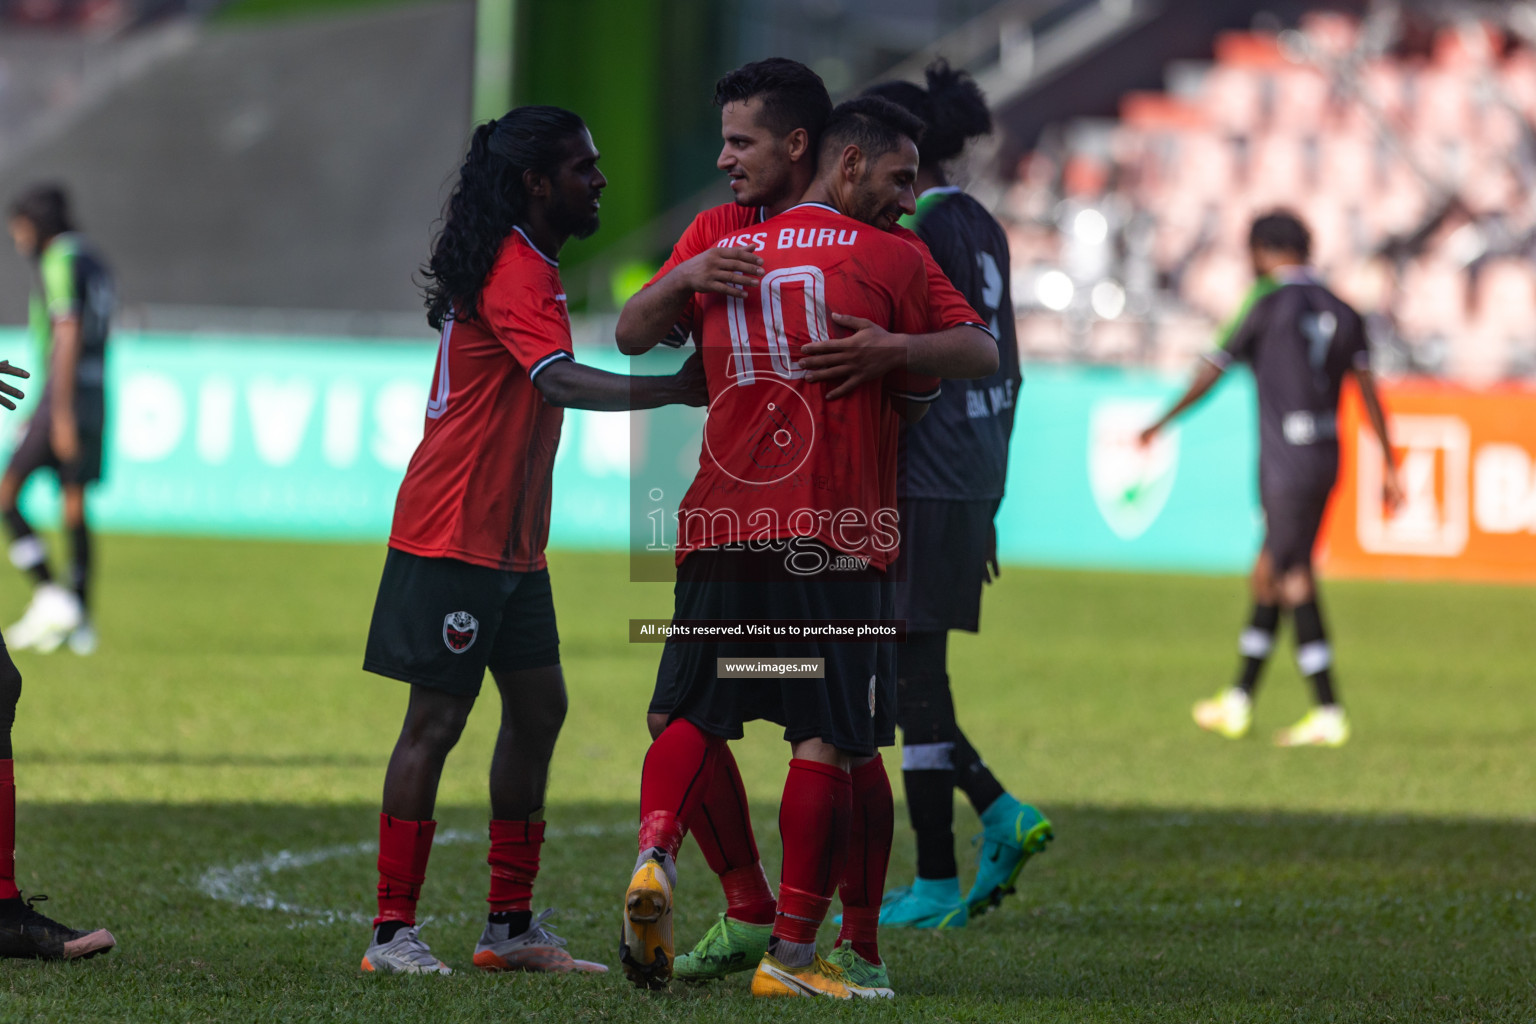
(246, 884)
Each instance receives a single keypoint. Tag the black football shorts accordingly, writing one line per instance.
(1292, 520)
(942, 564)
(441, 623)
(36, 452)
(852, 708)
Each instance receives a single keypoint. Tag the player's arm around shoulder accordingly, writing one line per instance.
(873, 350)
(698, 265)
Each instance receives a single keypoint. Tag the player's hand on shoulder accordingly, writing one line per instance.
(692, 385)
(728, 271)
(9, 391)
(869, 353)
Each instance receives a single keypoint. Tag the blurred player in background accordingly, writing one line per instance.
(465, 586)
(1301, 341)
(953, 466)
(26, 934)
(71, 312)
(772, 113)
(841, 471)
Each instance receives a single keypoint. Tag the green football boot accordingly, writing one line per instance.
(861, 972)
(926, 903)
(728, 947)
(1011, 833)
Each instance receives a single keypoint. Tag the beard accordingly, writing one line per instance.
(586, 226)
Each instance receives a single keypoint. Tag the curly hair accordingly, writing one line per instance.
(46, 207)
(487, 201)
(952, 108)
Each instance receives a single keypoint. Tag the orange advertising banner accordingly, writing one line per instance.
(1467, 461)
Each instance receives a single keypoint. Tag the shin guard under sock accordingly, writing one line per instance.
(870, 829)
(1313, 654)
(404, 847)
(813, 823)
(679, 768)
(972, 775)
(1255, 644)
(8, 890)
(514, 861)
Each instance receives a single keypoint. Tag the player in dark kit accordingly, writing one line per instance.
(71, 311)
(791, 517)
(953, 468)
(465, 586)
(26, 934)
(1301, 341)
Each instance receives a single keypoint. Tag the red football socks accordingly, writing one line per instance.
(404, 847)
(813, 822)
(869, 855)
(678, 770)
(8, 890)
(514, 861)
(723, 828)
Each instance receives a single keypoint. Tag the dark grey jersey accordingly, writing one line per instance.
(959, 450)
(1301, 340)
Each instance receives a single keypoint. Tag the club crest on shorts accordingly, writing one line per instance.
(459, 631)
(871, 696)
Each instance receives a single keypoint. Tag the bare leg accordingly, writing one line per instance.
(533, 706)
(433, 723)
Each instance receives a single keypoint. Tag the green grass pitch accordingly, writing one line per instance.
(207, 786)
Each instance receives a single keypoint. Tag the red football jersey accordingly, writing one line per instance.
(478, 486)
(730, 225)
(780, 460)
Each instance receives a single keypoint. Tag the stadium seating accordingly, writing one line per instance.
(1407, 167)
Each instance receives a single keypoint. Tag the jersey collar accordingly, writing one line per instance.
(546, 259)
(823, 206)
(1293, 273)
(939, 190)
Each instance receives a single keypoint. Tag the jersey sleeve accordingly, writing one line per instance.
(698, 236)
(1234, 341)
(911, 315)
(947, 308)
(61, 297)
(526, 313)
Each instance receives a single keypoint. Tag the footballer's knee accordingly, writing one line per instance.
(1297, 588)
(435, 724)
(533, 702)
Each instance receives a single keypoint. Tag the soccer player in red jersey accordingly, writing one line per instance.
(26, 934)
(465, 585)
(772, 116)
(791, 517)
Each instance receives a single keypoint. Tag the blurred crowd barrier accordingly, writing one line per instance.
(296, 437)
(1414, 163)
(1468, 463)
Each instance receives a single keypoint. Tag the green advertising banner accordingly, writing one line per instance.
(309, 438)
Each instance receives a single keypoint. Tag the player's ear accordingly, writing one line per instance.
(797, 143)
(852, 162)
(535, 184)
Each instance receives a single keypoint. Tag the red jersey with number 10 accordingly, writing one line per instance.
(478, 486)
(732, 226)
(779, 460)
